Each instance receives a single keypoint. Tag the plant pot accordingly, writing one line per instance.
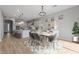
(75, 39)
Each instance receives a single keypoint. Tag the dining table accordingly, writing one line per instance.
(46, 33)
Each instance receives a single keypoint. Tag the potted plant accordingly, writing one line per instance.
(75, 32)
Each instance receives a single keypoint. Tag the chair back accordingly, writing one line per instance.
(31, 35)
(52, 38)
(36, 36)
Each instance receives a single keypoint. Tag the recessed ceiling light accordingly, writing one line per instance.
(54, 5)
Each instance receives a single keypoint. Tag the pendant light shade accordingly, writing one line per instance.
(42, 13)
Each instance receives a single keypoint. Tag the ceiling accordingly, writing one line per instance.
(31, 11)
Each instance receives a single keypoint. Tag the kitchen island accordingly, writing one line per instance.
(22, 33)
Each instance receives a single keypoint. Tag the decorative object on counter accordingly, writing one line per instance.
(49, 26)
(32, 22)
(75, 32)
(60, 17)
(41, 27)
(36, 28)
(17, 27)
(46, 20)
(52, 19)
(32, 28)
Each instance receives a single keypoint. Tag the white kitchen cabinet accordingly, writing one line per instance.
(25, 33)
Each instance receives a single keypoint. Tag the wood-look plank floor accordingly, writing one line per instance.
(12, 45)
(68, 48)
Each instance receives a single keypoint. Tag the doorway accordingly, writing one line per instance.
(8, 26)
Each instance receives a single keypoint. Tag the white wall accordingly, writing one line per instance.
(66, 24)
(1, 26)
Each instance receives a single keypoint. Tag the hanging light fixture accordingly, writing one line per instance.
(18, 14)
(42, 13)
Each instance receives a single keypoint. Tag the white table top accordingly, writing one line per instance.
(45, 33)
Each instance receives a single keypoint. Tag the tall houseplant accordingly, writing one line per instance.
(75, 31)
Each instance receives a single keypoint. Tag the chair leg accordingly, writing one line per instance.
(54, 45)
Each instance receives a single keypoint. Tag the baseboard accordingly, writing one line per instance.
(64, 39)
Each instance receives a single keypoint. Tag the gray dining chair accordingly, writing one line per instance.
(53, 39)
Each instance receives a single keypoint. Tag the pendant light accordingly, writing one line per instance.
(42, 13)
